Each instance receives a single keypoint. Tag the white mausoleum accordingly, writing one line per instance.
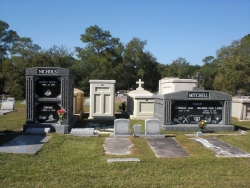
(102, 99)
(140, 103)
(174, 84)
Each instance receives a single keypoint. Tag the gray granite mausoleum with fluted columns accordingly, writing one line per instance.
(181, 111)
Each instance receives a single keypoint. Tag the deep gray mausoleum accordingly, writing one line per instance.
(181, 111)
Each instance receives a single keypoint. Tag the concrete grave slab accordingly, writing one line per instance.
(221, 148)
(166, 148)
(123, 160)
(117, 146)
(83, 132)
(29, 144)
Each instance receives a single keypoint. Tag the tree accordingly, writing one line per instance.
(179, 68)
(138, 64)
(163, 70)
(7, 39)
(209, 71)
(26, 54)
(98, 58)
(234, 67)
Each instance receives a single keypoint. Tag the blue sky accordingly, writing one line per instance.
(191, 29)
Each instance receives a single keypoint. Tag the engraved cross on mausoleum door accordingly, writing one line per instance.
(198, 77)
(139, 83)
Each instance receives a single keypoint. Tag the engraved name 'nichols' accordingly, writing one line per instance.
(47, 71)
(198, 95)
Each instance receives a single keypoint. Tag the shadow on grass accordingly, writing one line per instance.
(238, 127)
(82, 123)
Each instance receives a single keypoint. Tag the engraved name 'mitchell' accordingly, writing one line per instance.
(198, 95)
(47, 71)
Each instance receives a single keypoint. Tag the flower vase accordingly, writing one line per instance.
(201, 130)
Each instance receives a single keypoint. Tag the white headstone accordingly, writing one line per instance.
(121, 127)
(11, 99)
(87, 102)
(7, 105)
(152, 127)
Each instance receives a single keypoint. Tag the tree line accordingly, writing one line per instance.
(105, 57)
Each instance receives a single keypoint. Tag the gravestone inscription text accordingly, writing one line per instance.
(48, 87)
(47, 112)
(191, 112)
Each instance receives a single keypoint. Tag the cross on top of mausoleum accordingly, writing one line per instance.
(139, 83)
(198, 77)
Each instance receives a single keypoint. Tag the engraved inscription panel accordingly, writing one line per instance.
(48, 87)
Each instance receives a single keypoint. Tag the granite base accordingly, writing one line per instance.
(195, 128)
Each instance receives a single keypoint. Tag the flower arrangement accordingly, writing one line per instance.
(203, 124)
(61, 113)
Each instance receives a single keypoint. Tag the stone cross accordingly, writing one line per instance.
(140, 83)
(198, 77)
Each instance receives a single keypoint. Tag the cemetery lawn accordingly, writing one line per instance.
(67, 161)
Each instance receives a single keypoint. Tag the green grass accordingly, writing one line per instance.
(67, 161)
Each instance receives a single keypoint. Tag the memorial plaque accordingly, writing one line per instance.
(47, 112)
(48, 87)
(191, 112)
